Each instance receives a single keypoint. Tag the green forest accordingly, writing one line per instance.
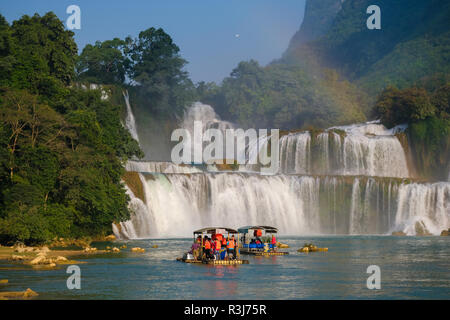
(63, 147)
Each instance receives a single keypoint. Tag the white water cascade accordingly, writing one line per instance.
(364, 149)
(176, 204)
(130, 122)
(343, 180)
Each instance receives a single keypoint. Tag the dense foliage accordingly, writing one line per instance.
(150, 64)
(284, 97)
(428, 117)
(61, 147)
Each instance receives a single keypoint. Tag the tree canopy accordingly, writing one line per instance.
(62, 148)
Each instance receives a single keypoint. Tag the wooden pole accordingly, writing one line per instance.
(201, 248)
(236, 249)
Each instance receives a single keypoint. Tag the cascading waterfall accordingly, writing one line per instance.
(130, 122)
(344, 180)
(366, 149)
(179, 203)
(210, 120)
(161, 167)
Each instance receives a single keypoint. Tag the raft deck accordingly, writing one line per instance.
(262, 253)
(214, 262)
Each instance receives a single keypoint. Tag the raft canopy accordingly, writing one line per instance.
(267, 229)
(214, 230)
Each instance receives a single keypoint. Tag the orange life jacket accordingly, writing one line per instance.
(231, 244)
(224, 242)
(217, 245)
(207, 245)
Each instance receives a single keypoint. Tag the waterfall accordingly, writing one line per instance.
(425, 204)
(161, 167)
(343, 180)
(364, 149)
(130, 122)
(177, 204)
(140, 224)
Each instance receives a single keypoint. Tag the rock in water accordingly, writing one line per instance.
(29, 293)
(38, 260)
(421, 229)
(61, 259)
(111, 237)
(282, 245)
(398, 233)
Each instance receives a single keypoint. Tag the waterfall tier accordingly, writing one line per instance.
(176, 204)
(366, 149)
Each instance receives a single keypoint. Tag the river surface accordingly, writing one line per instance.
(411, 268)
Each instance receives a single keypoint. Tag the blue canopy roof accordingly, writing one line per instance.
(267, 229)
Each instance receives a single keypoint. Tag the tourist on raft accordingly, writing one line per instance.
(231, 244)
(274, 242)
(207, 248)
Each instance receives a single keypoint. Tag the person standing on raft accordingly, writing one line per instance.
(217, 247)
(274, 242)
(231, 244)
(208, 249)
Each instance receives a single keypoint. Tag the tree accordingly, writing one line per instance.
(103, 63)
(155, 66)
(396, 106)
(44, 53)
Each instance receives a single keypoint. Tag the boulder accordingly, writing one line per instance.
(115, 249)
(111, 237)
(3, 281)
(17, 258)
(140, 250)
(421, 229)
(309, 247)
(61, 259)
(398, 233)
(445, 233)
(282, 245)
(155, 246)
(39, 260)
(123, 247)
(44, 249)
(29, 293)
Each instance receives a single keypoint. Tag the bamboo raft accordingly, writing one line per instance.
(262, 253)
(214, 262)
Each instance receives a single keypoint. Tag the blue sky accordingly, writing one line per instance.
(205, 30)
